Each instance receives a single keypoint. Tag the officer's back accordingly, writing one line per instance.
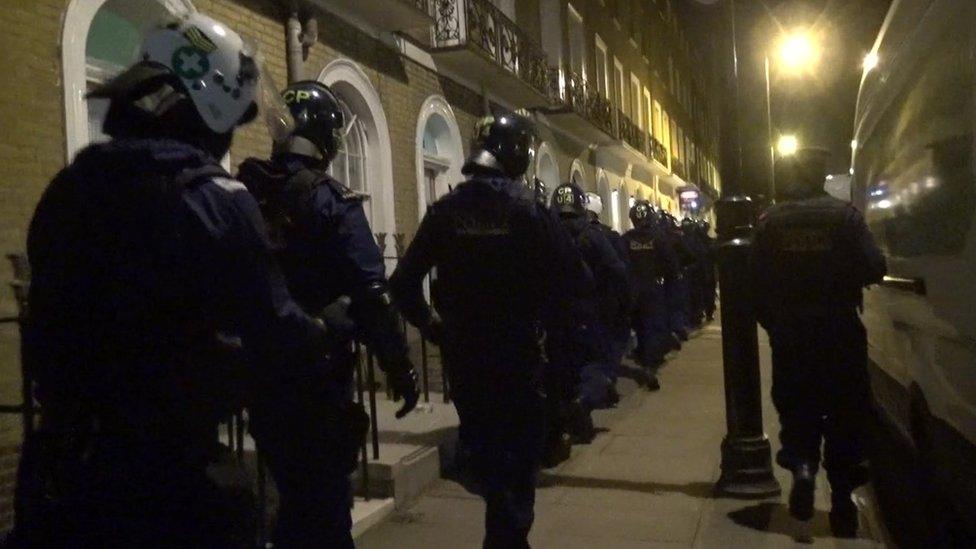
(490, 259)
(813, 252)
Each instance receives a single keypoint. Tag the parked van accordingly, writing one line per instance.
(914, 177)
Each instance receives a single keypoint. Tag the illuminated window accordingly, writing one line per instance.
(349, 166)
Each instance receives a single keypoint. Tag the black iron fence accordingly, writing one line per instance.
(658, 151)
(631, 133)
(236, 424)
(678, 168)
(480, 24)
(571, 89)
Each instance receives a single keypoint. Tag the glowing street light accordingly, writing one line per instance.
(799, 52)
(787, 145)
(870, 62)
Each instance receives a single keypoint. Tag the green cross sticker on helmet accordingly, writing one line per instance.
(190, 63)
(216, 65)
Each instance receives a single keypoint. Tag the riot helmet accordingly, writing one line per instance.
(504, 144)
(594, 205)
(568, 200)
(195, 82)
(642, 214)
(802, 175)
(319, 120)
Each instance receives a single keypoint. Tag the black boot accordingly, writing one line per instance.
(581, 430)
(843, 515)
(652, 382)
(558, 449)
(801, 496)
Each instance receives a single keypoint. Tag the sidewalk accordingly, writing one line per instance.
(645, 482)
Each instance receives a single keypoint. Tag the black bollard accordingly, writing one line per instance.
(747, 470)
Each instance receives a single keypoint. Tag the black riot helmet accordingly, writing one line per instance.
(803, 174)
(504, 144)
(568, 200)
(319, 122)
(642, 214)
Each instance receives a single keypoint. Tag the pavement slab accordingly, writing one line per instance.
(646, 481)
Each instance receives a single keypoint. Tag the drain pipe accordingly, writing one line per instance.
(300, 37)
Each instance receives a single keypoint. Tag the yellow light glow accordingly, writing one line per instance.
(871, 61)
(787, 145)
(799, 52)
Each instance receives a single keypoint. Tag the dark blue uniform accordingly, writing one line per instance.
(137, 264)
(677, 288)
(710, 278)
(652, 267)
(694, 273)
(615, 314)
(502, 274)
(326, 250)
(608, 302)
(812, 259)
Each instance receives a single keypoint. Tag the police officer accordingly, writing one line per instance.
(813, 256)
(694, 272)
(327, 251)
(142, 250)
(652, 267)
(502, 268)
(709, 279)
(599, 374)
(616, 312)
(677, 288)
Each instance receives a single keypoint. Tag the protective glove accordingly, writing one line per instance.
(403, 381)
(342, 328)
(434, 330)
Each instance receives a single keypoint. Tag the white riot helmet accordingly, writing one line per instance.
(216, 67)
(594, 204)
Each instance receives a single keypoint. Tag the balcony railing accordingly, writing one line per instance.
(658, 151)
(678, 168)
(573, 91)
(480, 24)
(630, 133)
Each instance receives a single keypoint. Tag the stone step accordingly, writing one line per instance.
(409, 460)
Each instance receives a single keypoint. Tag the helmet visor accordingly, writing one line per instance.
(271, 107)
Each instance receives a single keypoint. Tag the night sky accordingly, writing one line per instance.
(818, 108)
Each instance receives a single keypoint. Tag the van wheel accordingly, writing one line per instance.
(945, 529)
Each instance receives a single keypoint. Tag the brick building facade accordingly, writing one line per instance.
(612, 85)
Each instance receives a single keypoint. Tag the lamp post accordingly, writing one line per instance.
(747, 470)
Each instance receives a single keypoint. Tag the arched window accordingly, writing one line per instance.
(614, 207)
(439, 152)
(546, 169)
(365, 163)
(576, 174)
(100, 39)
(349, 166)
(603, 189)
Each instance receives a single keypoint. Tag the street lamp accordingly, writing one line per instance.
(799, 53)
(787, 145)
